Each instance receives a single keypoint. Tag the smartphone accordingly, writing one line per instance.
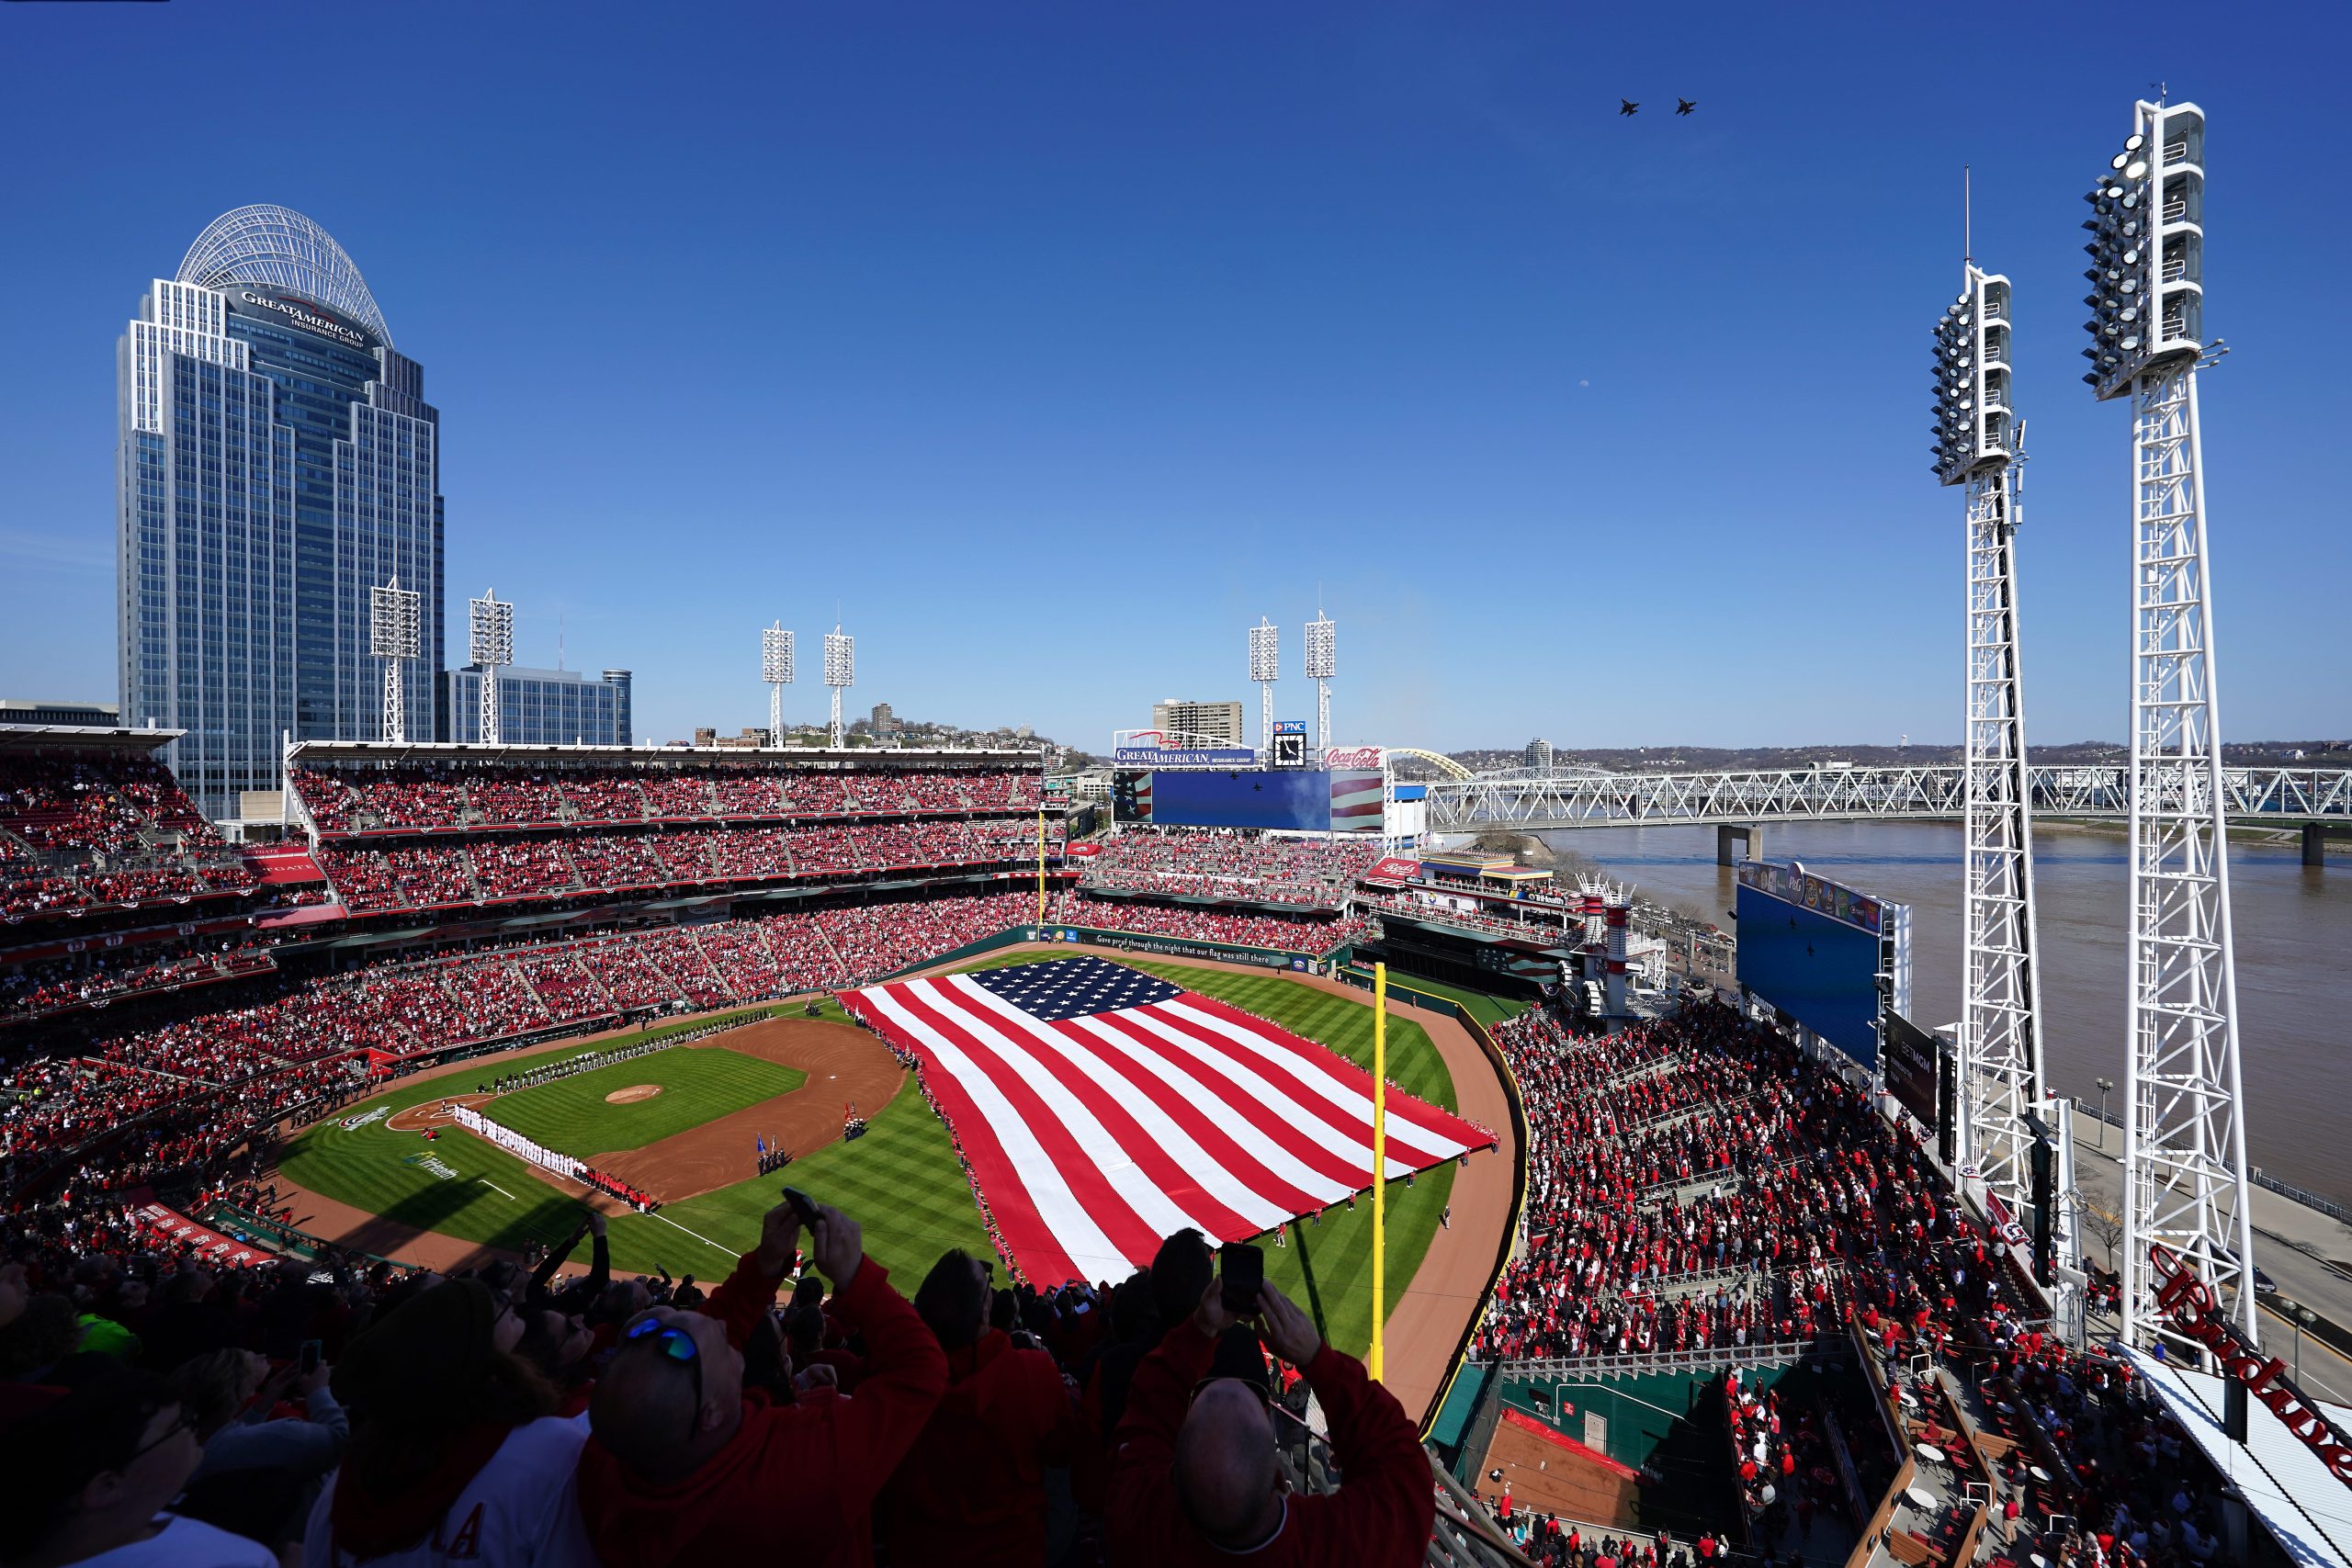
(802, 1204)
(1241, 1271)
(308, 1359)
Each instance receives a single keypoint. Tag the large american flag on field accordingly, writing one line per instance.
(1102, 1108)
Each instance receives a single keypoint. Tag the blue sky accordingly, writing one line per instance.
(1057, 343)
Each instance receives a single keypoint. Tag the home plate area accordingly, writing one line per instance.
(1101, 1109)
(672, 1123)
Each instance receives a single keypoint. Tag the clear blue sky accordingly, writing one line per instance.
(1059, 343)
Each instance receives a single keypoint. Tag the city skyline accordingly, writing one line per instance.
(1381, 312)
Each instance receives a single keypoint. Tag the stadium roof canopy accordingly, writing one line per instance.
(418, 751)
(278, 247)
(21, 738)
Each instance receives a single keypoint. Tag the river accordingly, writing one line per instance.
(2293, 928)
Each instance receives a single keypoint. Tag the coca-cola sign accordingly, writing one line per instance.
(1340, 759)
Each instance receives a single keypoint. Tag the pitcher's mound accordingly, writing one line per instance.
(633, 1093)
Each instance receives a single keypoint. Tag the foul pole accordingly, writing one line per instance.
(1379, 1186)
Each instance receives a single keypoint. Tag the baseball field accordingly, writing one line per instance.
(683, 1124)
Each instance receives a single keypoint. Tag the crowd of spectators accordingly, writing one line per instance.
(409, 799)
(100, 975)
(97, 829)
(1192, 923)
(157, 1405)
(1232, 864)
(431, 875)
(1697, 1181)
(409, 1007)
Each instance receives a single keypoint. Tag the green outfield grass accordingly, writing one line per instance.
(698, 1086)
(488, 1195)
(901, 1181)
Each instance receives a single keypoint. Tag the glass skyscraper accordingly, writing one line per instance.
(539, 707)
(276, 462)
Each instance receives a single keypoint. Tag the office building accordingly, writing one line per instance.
(18, 710)
(1217, 723)
(276, 462)
(884, 722)
(540, 707)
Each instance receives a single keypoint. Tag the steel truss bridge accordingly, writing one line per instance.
(2281, 797)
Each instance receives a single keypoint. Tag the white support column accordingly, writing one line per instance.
(2184, 1141)
(2000, 1037)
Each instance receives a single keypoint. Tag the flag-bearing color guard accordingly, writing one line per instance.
(1101, 1108)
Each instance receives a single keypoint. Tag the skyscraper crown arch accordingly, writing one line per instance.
(280, 248)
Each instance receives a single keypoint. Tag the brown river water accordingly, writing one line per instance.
(2293, 932)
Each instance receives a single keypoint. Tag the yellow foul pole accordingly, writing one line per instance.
(1041, 858)
(1379, 1143)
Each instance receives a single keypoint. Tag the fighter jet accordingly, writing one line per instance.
(1627, 106)
(1686, 105)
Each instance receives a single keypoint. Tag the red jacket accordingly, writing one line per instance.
(1380, 1516)
(803, 1473)
(972, 1490)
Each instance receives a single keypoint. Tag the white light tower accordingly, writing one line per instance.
(841, 671)
(776, 669)
(1978, 442)
(1322, 664)
(2184, 1141)
(489, 646)
(1265, 668)
(392, 637)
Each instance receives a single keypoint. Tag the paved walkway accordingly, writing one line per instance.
(2307, 1253)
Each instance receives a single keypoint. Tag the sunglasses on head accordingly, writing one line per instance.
(675, 1344)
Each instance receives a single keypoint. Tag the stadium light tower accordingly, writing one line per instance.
(776, 669)
(2184, 1140)
(1978, 446)
(1322, 663)
(392, 637)
(1265, 668)
(490, 644)
(841, 671)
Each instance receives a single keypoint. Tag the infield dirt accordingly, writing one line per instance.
(844, 1064)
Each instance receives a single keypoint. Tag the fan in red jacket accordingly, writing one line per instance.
(1194, 1479)
(972, 1490)
(687, 1466)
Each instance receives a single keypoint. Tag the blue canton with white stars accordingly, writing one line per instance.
(1074, 988)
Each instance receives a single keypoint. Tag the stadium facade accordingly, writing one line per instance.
(539, 707)
(276, 461)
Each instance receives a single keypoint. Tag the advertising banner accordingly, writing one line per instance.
(1913, 1057)
(1169, 757)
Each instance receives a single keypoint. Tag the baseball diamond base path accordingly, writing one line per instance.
(1450, 1286)
(1429, 1321)
(843, 1063)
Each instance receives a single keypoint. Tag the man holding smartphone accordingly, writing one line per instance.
(1194, 1477)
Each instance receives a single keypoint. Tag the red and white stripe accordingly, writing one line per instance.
(1093, 1138)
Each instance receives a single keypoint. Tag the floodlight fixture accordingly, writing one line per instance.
(490, 642)
(841, 671)
(393, 636)
(2148, 246)
(776, 669)
(1322, 665)
(1265, 668)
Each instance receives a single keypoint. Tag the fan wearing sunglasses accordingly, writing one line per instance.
(1195, 1477)
(686, 1464)
(85, 1480)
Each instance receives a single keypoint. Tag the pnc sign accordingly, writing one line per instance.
(2196, 1313)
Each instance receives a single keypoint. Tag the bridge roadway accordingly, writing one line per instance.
(2316, 799)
